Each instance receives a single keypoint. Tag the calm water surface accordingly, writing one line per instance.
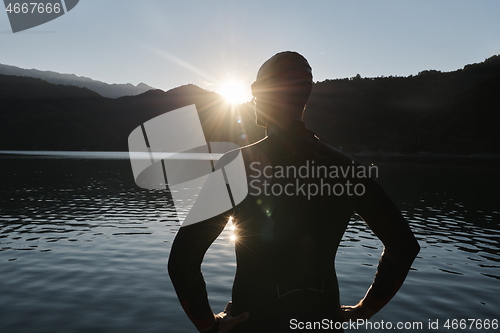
(83, 249)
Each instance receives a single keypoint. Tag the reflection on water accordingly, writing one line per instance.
(83, 249)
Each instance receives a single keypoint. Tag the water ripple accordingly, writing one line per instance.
(85, 249)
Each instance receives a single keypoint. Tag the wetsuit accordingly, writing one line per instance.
(286, 244)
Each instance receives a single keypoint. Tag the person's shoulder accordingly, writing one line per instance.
(250, 153)
(335, 155)
(254, 151)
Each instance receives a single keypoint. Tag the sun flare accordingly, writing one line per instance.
(234, 92)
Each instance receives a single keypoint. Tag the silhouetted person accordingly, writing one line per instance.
(287, 235)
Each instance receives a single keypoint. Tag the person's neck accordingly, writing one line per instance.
(283, 125)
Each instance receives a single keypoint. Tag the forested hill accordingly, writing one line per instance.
(37, 115)
(451, 113)
(456, 112)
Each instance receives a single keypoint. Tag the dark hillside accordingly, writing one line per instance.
(454, 112)
(451, 113)
(38, 115)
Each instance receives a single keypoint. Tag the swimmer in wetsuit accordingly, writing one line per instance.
(287, 238)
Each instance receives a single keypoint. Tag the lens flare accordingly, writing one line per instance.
(232, 227)
(234, 92)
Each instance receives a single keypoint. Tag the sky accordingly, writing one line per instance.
(170, 43)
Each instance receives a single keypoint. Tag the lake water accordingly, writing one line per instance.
(83, 249)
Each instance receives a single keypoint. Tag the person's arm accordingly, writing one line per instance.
(184, 267)
(400, 249)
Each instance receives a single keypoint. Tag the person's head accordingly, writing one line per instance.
(282, 88)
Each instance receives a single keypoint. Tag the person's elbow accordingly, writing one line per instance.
(406, 248)
(412, 248)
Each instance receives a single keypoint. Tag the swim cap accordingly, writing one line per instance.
(285, 63)
(285, 71)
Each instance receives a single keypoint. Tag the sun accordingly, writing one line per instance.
(234, 92)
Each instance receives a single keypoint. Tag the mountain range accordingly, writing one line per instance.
(104, 89)
(433, 112)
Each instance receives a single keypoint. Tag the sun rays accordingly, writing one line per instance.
(234, 92)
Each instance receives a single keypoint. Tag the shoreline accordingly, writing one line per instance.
(483, 159)
(390, 157)
(489, 156)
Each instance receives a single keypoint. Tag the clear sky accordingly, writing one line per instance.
(170, 43)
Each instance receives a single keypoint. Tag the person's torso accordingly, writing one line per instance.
(288, 230)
